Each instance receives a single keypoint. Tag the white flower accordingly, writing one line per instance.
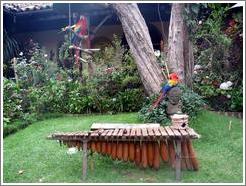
(21, 53)
(45, 55)
(20, 171)
(228, 96)
(114, 99)
(197, 67)
(200, 22)
(72, 150)
(229, 83)
(226, 85)
(157, 53)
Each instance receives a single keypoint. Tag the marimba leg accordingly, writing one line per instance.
(178, 160)
(84, 160)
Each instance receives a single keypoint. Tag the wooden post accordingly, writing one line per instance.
(15, 70)
(178, 160)
(84, 160)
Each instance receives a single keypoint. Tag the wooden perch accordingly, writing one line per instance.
(81, 59)
(88, 51)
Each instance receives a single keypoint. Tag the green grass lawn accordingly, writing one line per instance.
(219, 151)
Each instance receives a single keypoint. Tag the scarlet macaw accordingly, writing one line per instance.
(172, 82)
(80, 32)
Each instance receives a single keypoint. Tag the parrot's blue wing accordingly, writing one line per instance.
(166, 88)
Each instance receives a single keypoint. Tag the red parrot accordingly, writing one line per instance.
(80, 30)
(172, 82)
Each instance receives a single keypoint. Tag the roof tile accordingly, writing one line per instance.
(24, 7)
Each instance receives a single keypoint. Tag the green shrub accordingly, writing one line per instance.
(216, 33)
(12, 100)
(44, 88)
(79, 98)
(131, 99)
(191, 104)
(49, 98)
(9, 129)
(14, 117)
(37, 71)
(227, 100)
(131, 82)
(157, 115)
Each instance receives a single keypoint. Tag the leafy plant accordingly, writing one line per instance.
(43, 87)
(37, 71)
(12, 100)
(191, 104)
(217, 48)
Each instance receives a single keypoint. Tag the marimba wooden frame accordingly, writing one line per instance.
(153, 134)
(177, 142)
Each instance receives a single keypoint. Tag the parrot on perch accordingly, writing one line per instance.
(80, 32)
(172, 82)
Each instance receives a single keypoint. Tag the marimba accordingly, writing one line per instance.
(143, 144)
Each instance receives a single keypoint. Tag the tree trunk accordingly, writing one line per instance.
(138, 38)
(180, 50)
(188, 58)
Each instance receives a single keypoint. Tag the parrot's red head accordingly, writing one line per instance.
(174, 76)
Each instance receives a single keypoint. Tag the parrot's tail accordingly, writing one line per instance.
(77, 57)
(156, 102)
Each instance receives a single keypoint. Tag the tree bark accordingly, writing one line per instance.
(139, 41)
(180, 50)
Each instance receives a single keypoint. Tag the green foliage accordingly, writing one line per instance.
(37, 71)
(218, 49)
(212, 44)
(131, 82)
(43, 87)
(14, 113)
(12, 101)
(157, 115)
(64, 49)
(112, 56)
(48, 98)
(191, 104)
(227, 100)
(131, 99)
(79, 99)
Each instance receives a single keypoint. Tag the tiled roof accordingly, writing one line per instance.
(25, 7)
